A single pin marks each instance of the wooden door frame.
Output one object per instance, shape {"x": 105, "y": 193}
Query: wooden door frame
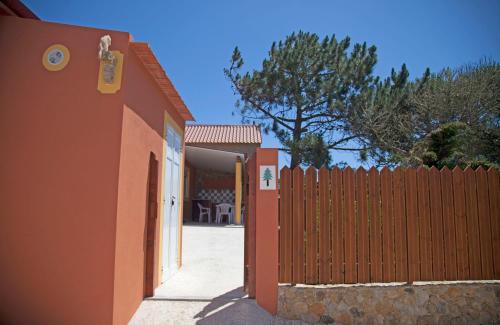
{"x": 249, "y": 241}
{"x": 151, "y": 223}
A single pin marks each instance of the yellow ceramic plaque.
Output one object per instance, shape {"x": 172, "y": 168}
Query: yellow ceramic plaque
{"x": 110, "y": 74}
{"x": 55, "y": 57}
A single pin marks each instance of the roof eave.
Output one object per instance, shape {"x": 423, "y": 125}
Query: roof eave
{"x": 150, "y": 62}
{"x": 228, "y": 134}
{"x": 17, "y": 8}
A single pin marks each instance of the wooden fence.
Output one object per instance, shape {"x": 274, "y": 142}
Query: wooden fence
{"x": 354, "y": 226}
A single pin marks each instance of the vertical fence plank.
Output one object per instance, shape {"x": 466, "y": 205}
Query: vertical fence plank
{"x": 349, "y": 226}
{"x": 280, "y": 243}
{"x": 362, "y": 222}
{"x": 311, "y": 227}
{"x": 450, "y": 252}
{"x": 298, "y": 225}
{"x": 494, "y": 195}
{"x": 483, "y": 208}
{"x": 412, "y": 225}
{"x": 472, "y": 224}
{"x": 375, "y": 226}
{"x": 400, "y": 248}
{"x": 324, "y": 226}
{"x": 281, "y": 236}
{"x": 436, "y": 224}
{"x": 388, "y": 267}
{"x": 424, "y": 224}
{"x": 460, "y": 224}
{"x": 286, "y": 225}
{"x": 337, "y": 227}
{"x": 289, "y": 228}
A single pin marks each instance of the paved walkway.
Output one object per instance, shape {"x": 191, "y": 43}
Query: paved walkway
{"x": 214, "y": 312}
{"x": 212, "y": 264}
{"x": 208, "y": 289}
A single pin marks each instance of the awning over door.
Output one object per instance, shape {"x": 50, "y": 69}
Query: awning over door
{"x": 217, "y": 160}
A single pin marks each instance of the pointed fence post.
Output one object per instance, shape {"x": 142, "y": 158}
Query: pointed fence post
{"x": 311, "y": 227}
{"x": 337, "y": 227}
{"x": 285, "y": 228}
{"x": 472, "y": 224}
{"x": 324, "y": 225}
{"x": 450, "y": 245}
{"x": 437, "y": 232}
{"x": 494, "y": 194}
{"x": 483, "y": 210}
{"x": 349, "y": 208}
{"x": 375, "y": 225}
{"x": 363, "y": 239}
{"x": 458, "y": 185}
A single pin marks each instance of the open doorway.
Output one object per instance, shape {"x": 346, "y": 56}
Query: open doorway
{"x": 212, "y": 237}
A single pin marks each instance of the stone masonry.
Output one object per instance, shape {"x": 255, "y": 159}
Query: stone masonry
{"x": 467, "y": 302}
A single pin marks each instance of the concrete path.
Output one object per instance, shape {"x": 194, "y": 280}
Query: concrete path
{"x": 212, "y": 264}
{"x": 214, "y": 312}
{"x": 208, "y": 289}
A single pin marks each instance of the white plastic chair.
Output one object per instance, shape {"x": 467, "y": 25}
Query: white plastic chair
{"x": 204, "y": 211}
{"x": 223, "y": 209}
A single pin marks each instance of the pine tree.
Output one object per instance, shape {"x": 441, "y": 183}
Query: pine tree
{"x": 267, "y": 176}
{"x": 450, "y": 118}
{"x": 306, "y": 86}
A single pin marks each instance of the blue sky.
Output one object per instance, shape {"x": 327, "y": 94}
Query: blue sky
{"x": 194, "y": 39}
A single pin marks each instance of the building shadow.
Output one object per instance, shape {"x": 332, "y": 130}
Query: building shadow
{"x": 219, "y": 301}
{"x": 233, "y": 307}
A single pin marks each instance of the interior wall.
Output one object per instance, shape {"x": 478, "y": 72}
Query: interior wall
{"x": 142, "y": 133}
{"x": 226, "y": 182}
{"x": 60, "y": 145}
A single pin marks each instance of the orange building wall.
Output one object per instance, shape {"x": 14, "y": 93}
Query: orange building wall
{"x": 60, "y": 145}
{"x": 73, "y": 175}
{"x": 266, "y": 235}
{"x": 142, "y": 133}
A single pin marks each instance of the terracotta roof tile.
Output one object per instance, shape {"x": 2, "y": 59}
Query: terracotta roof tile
{"x": 206, "y": 133}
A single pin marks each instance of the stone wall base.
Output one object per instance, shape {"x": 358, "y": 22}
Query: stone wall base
{"x": 466, "y": 302}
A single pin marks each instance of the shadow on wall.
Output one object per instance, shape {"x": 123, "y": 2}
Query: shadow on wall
{"x": 233, "y": 308}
